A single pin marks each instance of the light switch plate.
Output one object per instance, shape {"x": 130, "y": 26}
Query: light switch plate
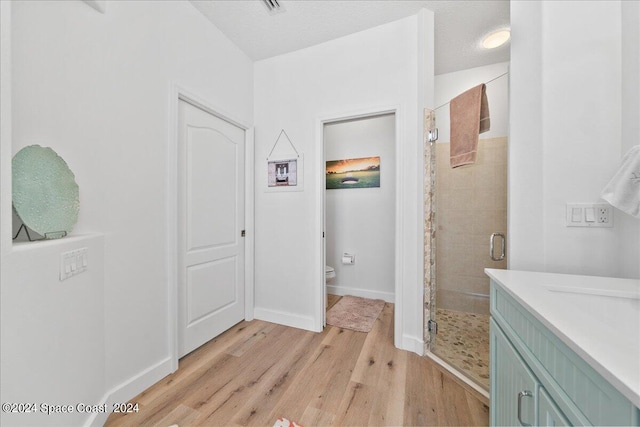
{"x": 73, "y": 263}
{"x": 599, "y": 215}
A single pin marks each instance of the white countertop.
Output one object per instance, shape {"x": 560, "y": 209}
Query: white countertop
{"x": 597, "y": 317}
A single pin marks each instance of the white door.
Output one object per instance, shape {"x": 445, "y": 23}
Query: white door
{"x": 211, "y": 219}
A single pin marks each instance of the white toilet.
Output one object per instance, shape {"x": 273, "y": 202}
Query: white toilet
{"x": 329, "y": 273}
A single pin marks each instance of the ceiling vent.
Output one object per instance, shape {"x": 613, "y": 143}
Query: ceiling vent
{"x": 273, "y": 6}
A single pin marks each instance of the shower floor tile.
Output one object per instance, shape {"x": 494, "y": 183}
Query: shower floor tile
{"x": 463, "y": 341}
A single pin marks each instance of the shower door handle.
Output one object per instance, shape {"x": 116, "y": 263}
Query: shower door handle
{"x": 492, "y": 245}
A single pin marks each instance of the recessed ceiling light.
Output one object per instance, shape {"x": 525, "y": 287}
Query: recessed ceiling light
{"x": 496, "y": 39}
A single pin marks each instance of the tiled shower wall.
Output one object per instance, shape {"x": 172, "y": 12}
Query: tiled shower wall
{"x": 471, "y": 205}
{"x": 429, "y": 229}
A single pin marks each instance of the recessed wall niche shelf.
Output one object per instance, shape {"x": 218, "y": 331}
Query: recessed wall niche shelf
{"x": 47, "y": 236}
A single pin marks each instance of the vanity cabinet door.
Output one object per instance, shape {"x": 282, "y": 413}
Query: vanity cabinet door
{"x": 548, "y": 412}
{"x": 513, "y": 386}
{"x": 572, "y": 392}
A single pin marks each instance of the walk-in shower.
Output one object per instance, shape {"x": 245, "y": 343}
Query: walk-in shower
{"x": 466, "y": 221}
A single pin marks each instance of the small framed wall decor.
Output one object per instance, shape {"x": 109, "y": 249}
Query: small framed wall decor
{"x": 283, "y": 173}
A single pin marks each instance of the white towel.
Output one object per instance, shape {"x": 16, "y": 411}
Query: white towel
{"x": 623, "y": 191}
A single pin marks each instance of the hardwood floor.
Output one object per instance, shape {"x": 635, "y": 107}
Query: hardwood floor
{"x": 257, "y": 372}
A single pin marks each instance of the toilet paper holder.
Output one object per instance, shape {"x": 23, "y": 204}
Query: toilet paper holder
{"x": 348, "y": 258}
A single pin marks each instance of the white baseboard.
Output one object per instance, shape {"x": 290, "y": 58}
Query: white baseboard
{"x": 286, "y": 319}
{"x": 362, "y": 293}
{"x": 130, "y": 388}
{"x": 413, "y": 344}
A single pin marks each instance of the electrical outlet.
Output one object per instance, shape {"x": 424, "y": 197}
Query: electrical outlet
{"x": 603, "y": 213}
{"x": 596, "y": 215}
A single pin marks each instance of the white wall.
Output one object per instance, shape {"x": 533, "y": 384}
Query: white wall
{"x": 565, "y": 136}
{"x": 450, "y": 85}
{"x": 628, "y": 226}
{"x": 5, "y": 131}
{"x": 378, "y": 67}
{"x": 96, "y": 87}
{"x": 53, "y": 332}
{"x": 361, "y": 221}
{"x": 525, "y": 244}
{"x": 630, "y": 74}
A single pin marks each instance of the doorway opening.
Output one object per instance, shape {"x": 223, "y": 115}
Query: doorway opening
{"x": 359, "y": 187}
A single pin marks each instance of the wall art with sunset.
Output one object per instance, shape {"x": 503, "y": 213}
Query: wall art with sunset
{"x": 353, "y": 173}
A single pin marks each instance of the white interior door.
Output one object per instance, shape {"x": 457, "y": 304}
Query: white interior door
{"x": 211, "y": 220}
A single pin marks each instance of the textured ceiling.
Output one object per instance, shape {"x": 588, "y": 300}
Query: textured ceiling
{"x": 459, "y": 25}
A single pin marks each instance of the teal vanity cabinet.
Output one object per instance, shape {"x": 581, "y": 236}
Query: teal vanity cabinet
{"x": 517, "y": 391}
{"x": 512, "y": 383}
{"x": 548, "y": 413}
{"x": 537, "y": 380}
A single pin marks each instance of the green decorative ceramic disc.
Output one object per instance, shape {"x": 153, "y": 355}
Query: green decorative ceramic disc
{"x": 45, "y": 192}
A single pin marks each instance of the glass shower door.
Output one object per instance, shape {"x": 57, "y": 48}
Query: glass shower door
{"x": 470, "y": 228}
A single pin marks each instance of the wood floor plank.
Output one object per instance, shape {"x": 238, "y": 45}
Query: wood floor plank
{"x": 454, "y": 403}
{"x": 189, "y": 364}
{"x": 257, "y": 410}
{"x": 241, "y": 347}
{"x": 208, "y": 382}
{"x": 367, "y": 370}
{"x": 257, "y": 372}
{"x": 421, "y": 402}
{"x": 389, "y": 406}
{"x": 171, "y": 396}
{"x": 478, "y": 410}
{"x": 204, "y": 385}
{"x": 356, "y": 405}
{"x": 482, "y": 398}
{"x": 381, "y": 366}
{"x": 181, "y": 414}
{"x": 323, "y": 381}
{"x": 244, "y": 379}
{"x": 316, "y": 417}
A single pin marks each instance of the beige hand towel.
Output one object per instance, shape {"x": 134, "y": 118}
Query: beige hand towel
{"x": 469, "y": 114}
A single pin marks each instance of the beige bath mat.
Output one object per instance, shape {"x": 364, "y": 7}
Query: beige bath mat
{"x": 355, "y": 313}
